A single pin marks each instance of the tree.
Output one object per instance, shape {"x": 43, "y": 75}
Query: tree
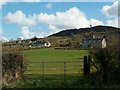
{"x": 108, "y": 59}
{"x": 34, "y": 39}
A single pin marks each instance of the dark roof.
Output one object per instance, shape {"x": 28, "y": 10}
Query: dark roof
{"x": 39, "y": 42}
{"x": 92, "y": 39}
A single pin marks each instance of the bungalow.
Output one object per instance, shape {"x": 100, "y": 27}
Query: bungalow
{"x": 40, "y": 44}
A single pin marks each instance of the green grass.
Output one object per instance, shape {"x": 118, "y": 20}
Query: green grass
{"x": 54, "y": 66}
{"x": 50, "y": 54}
{"x": 54, "y": 60}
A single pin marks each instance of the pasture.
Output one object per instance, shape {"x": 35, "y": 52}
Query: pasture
{"x": 51, "y": 54}
{"x": 53, "y": 58}
{"x": 49, "y": 67}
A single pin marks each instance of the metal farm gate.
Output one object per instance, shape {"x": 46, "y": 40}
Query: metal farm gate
{"x": 50, "y": 73}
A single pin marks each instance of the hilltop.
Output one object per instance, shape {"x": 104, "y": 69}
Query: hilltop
{"x": 98, "y": 29}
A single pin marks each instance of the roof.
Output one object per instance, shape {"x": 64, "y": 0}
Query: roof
{"x": 92, "y": 39}
{"x": 39, "y": 42}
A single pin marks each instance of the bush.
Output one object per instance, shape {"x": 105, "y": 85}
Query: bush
{"x": 12, "y": 66}
{"x": 108, "y": 59}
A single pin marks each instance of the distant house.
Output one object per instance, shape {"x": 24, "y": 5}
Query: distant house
{"x": 40, "y": 44}
{"x": 94, "y": 43}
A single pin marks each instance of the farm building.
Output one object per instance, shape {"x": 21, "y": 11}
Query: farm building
{"x": 94, "y": 43}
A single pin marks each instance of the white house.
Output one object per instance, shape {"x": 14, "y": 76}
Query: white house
{"x": 40, "y": 44}
{"x": 47, "y": 44}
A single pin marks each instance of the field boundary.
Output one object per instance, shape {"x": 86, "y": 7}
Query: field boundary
{"x": 61, "y": 73}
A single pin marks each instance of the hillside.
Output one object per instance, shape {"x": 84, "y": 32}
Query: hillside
{"x": 70, "y": 32}
{"x": 69, "y": 37}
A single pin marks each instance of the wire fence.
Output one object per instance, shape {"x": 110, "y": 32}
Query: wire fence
{"x": 55, "y": 71}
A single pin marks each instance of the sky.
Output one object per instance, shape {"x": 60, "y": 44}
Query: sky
{"x": 28, "y": 19}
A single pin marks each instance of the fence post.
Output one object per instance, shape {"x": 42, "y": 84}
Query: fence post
{"x": 85, "y": 65}
{"x": 89, "y": 59}
{"x": 65, "y": 74}
{"x": 43, "y": 71}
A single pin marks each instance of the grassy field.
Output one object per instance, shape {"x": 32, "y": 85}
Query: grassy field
{"x": 53, "y": 60}
{"x": 58, "y": 66}
{"x": 51, "y": 54}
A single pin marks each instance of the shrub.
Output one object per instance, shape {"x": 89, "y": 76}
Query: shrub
{"x": 12, "y": 65}
{"x": 108, "y": 58}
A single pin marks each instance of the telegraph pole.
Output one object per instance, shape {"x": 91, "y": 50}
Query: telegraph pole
{"x": 91, "y": 40}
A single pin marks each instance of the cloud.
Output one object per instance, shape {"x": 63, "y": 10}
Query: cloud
{"x": 54, "y": 28}
{"x": 4, "y": 39}
{"x": 112, "y": 22}
{"x": 72, "y": 18}
{"x": 20, "y": 18}
{"x": 48, "y": 6}
{"x": 26, "y": 34}
{"x": 95, "y": 22}
{"x": 110, "y": 11}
